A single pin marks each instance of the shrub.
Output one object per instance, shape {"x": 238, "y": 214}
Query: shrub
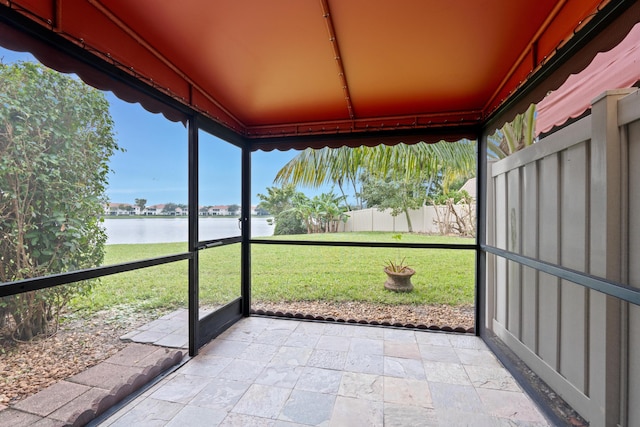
{"x": 289, "y": 223}
{"x": 56, "y": 137}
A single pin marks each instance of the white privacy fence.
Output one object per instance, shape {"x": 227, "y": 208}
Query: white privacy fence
{"x": 427, "y": 219}
{"x": 573, "y": 200}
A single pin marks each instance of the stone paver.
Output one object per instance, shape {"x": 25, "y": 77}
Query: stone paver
{"x": 79, "y": 405}
{"x": 308, "y": 408}
{"x": 407, "y": 391}
{"x": 328, "y": 359}
{"x": 51, "y": 398}
{"x": 407, "y": 415}
{"x": 106, "y": 375}
{"x": 362, "y": 386}
{"x": 136, "y": 355}
{"x": 15, "y": 418}
{"x": 262, "y": 401}
{"x": 288, "y": 373}
{"x": 180, "y": 389}
{"x": 349, "y": 411}
{"x": 220, "y": 394}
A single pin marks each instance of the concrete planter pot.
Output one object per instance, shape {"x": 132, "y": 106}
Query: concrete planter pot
{"x": 399, "y": 281}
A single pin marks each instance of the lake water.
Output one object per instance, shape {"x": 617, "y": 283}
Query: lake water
{"x": 168, "y": 230}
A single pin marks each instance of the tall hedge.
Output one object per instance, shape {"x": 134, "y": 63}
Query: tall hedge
{"x": 56, "y": 138}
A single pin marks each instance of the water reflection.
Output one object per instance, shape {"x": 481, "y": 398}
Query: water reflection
{"x": 168, "y": 230}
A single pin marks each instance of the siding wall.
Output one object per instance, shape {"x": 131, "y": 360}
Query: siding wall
{"x": 573, "y": 199}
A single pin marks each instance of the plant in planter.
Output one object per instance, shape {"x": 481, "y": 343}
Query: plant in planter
{"x": 398, "y": 274}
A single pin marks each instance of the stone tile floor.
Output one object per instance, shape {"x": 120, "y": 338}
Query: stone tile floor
{"x": 285, "y": 373}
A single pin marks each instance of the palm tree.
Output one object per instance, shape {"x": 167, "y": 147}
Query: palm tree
{"x": 342, "y": 166}
{"x": 513, "y": 136}
{"x": 316, "y": 167}
{"x": 329, "y": 210}
{"x": 302, "y": 206}
{"x": 448, "y": 161}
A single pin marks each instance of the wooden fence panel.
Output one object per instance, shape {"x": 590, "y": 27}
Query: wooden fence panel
{"x": 573, "y": 199}
{"x": 549, "y": 233}
{"x": 573, "y": 244}
{"x": 502, "y": 280}
{"x": 529, "y": 244}
{"x": 514, "y": 293}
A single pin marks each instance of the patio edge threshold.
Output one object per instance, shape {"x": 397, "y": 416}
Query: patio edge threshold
{"x": 303, "y": 316}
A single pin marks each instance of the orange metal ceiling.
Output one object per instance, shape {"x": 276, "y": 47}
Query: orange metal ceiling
{"x": 286, "y": 67}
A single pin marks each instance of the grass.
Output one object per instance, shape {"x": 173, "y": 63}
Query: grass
{"x": 290, "y": 273}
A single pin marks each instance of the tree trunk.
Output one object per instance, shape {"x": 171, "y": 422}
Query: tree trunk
{"x": 29, "y": 315}
{"x": 344, "y": 196}
{"x": 406, "y": 214}
{"x": 3, "y": 317}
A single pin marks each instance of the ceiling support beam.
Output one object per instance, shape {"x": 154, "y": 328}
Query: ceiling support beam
{"x": 336, "y": 52}
{"x": 530, "y": 50}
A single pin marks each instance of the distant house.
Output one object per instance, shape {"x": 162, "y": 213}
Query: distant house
{"x": 155, "y": 210}
{"x": 204, "y": 211}
{"x": 218, "y": 210}
{"x": 116, "y": 209}
{"x": 151, "y": 210}
{"x": 470, "y": 187}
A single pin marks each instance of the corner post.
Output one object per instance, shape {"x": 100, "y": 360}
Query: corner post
{"x": 481, "y": 232}
{"x": 606, "y": 200}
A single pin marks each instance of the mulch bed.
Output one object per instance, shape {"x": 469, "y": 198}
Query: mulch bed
{"x": 78, "y": 344}
{"x": 458, "y": 318}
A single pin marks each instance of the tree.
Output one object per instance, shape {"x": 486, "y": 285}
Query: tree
{"x": 141, "y": 204}
{"x": 288, "y": 223}
{"x": 233, "y": 209}
{"x": 279, "y": 202}
{"x": 398, "y": 195}
{"x": 410, "y": 166}
{"x": 455, "y": 213}
{"x": 328, "y": 211}
{"x": 344, "y": 165}
{"x": 56, "y": 137}
{"x": 302, "y": 209}
{"x": 277, "y": 199}
{"x": 315, "y": 167}
{"x": 169, "y": 208}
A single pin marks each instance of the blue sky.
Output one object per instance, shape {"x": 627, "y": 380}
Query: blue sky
{"x": 154, "y": 164}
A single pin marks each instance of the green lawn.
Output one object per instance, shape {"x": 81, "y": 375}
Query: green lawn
{"x": 290, "y": 273}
